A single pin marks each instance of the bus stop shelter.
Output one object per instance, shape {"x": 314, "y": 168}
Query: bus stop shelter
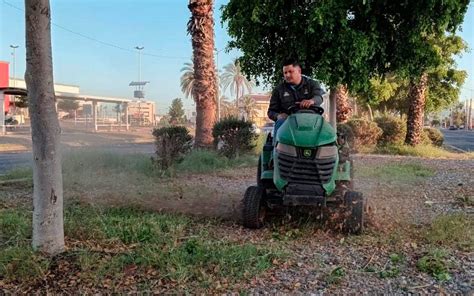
{"x": 16, "y": 91}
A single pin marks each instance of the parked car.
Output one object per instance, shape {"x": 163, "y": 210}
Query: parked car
{"x": 453, "y": 127}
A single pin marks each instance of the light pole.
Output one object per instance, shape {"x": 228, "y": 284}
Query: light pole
{"x": 139, "y": 48}
{"x": 14, "y": 47}
{"x": 218, "y": 85}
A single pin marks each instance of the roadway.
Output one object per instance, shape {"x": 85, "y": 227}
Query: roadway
{"x": 461, "y": 139}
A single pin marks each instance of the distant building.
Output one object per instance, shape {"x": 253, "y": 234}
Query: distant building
{"x": 262, "y": 102}
{"x": 142, "y": 112}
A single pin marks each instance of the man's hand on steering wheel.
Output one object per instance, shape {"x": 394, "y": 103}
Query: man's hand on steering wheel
{"x": 305, "y": 104}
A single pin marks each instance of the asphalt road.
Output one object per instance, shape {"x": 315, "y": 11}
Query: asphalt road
{"x": 9, "y": 161}
{"x": 462, "y": 139}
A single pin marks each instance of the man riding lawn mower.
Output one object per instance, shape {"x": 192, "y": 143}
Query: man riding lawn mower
{"x": 306, "y": 163}
{"x": 305, "y": 167}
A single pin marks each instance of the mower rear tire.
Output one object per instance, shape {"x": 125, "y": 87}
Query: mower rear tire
{"x": 354, "y": 210}
{"x": 254, "y": 210}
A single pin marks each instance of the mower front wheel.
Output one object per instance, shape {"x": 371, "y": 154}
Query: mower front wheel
{"x": 354, "y": 212}
{"x": 255, "y": 209}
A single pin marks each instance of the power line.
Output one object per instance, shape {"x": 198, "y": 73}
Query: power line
{"x": 100, "y": 41}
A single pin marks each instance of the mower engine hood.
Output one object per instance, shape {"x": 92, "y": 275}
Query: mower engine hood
{"x": 306, "y": 130}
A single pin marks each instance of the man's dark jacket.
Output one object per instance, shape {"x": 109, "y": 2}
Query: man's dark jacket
{"x": 285, "y": 95}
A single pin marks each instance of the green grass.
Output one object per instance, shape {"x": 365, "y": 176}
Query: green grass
{"x": 20, "y": 263}
{"x": 18, "y": 173}
{"x": 408, "y": 172}
{"x": 105, "y": 162}
{"x": 15, "y": 226}
{"x": 427, "y": 151}
{"x": 205, "y": 161}
{"x": 336, "y": 275}
{"x": 455, "y": 230}
{"x": 177, "y": 248}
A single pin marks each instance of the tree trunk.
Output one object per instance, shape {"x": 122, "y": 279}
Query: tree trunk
{"x": 201, "y": 28}
{"x": 416, "y": 97}
{"x": 48, "y": 232}
{"x": 343, "y": 109}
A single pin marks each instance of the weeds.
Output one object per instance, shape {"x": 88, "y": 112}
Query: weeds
{"x": 455, "y": 230}
{"x": 392, "y": 268}
{"x": 436, "y": 264}
{"x": 113, "y": 243}
{"x": 336, "y": 275}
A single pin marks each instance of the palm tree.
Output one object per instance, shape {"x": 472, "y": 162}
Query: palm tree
{"x": 343, "y": 108}
{"x": 228, "y": 108}
{"x": 204, "y": 89}
{"x": 187, "y": 79}
{"x": 234, "y": 78}
{"x": 417, "y": 100}
{"x": 248, "y": 106}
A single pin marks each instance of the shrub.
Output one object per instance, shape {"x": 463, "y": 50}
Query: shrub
{"x": 364, "y": 133}
{"x": 435, "y": 136}
{"x": 233, "y": 136}
{"x": 172, "y": 143}
{"x": 393, "y": 130}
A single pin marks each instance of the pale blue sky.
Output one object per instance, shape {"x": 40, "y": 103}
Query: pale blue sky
{"x": 158, "y": 25}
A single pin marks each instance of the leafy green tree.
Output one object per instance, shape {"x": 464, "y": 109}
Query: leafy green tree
{"x": 176, "y": 111}
{"x": 68, "y": 105}
{"x": 390, "y": 93}
{"x": 411, "y": 33}
{"x": 345, "y": 42}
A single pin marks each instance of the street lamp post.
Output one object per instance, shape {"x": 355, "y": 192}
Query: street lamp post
{"x": 139, "y": 48}
{"x": 14, "y": 47}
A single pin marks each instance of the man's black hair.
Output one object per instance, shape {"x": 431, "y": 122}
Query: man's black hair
{"x": 291, "y": 61}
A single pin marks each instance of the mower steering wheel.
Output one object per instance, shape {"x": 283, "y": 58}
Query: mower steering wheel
{"x": 295, "y": 108}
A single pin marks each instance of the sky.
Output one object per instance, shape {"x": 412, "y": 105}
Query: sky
{"x": 93, "y": 45}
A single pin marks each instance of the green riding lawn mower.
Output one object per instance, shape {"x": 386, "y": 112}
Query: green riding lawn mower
{"x": 308, "y": 165}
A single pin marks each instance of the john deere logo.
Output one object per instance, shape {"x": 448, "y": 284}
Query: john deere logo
{"x": 307, "y": 153}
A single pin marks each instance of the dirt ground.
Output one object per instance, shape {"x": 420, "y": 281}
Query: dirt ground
{"x": 323, "y": 261}
{"x": 401, "y": 212}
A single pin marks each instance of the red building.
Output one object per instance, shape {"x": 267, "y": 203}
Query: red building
{"x": 4, "y": 82}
